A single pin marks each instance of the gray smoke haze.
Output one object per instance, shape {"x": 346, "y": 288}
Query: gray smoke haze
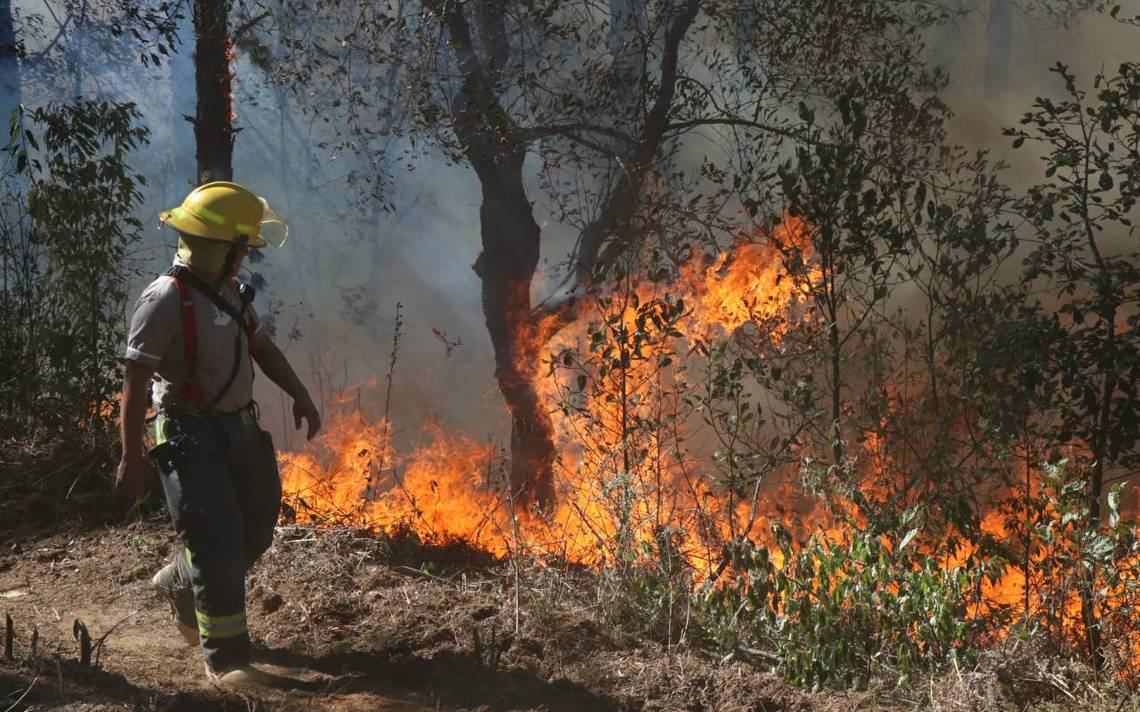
{"x": 986, "y": 99}
{"x": 332, "y": 290}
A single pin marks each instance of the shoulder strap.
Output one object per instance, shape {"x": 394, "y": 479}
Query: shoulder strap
{"x": 181, "y": 273}
{"x": 191, "y": 389}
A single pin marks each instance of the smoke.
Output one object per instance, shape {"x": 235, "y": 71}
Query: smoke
{"x": 983, "y": 103}
{"x": 331, "y": 292}
{"x": 338, "y": 280}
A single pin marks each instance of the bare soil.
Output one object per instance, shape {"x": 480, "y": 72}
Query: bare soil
{"x": 346, "y": 620}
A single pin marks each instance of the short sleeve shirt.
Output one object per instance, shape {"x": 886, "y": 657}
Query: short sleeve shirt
{"x": 156, "y": 339}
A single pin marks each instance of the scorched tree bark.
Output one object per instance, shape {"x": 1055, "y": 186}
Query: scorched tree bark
{"x": 213, "y": 123}
{"x": 510, "y": 249}
{"x": 496, "y": 147}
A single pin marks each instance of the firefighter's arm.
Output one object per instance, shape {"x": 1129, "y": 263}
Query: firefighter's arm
{"x": 276, "y": 367}
{"x": 130, "y": 478}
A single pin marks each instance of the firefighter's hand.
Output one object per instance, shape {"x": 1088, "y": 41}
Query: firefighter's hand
{"x": 130, "y": 479}
{"x": 304, "y": 408}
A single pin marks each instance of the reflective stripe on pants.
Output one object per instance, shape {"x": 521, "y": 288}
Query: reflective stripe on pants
{"x": 219, "y": 474}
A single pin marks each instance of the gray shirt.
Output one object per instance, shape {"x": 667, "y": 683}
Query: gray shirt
{"x": 155, "y": 339}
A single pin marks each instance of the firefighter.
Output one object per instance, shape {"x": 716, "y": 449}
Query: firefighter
{"x": 193, "y": 337}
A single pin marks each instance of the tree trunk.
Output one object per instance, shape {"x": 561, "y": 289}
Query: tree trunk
{"x": 78, "y": 63}
{"x": 213, "y": 123}
{"x": 506, "y": 267}
{"x": 510, "y": 241}
{"x": 510, "y": 236}
{"x": 15, "y": 315}
{"x": 946, "y": 39}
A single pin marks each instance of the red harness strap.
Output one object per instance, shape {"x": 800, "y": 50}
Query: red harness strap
{"x": 191, "y": 389}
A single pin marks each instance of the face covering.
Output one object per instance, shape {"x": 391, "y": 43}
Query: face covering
{"x": 208, "y": 256}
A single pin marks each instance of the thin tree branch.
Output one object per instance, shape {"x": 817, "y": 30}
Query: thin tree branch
{"x": 248, "y": 25}
{"x": 537, "y": 132}
{"x": 623, "y": 199}
{"x": 682, "y": 126}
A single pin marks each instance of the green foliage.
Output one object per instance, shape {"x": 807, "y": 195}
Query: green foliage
{"x": 64, "y": 232}
{"x": 836, "y": 612}
{"x": 1068, "y": 355}
{"x": 625, "y": 415}
{"x": 1079, "y": 575}
{"x": 649, "y": 595}
{"x": 1084, "y": 260}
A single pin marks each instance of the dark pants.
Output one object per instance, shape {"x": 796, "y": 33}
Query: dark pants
{"x": 219, "y": 473}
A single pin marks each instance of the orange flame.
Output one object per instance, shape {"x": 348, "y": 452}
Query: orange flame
{"x": 613, "y": 492}
{"x": 626, "y": 482}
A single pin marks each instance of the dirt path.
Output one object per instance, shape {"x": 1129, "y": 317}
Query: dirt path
{"x": 358, "y": 623}
{"x": 102, "y": 579}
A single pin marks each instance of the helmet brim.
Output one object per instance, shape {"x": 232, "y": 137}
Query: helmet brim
{"x": 188, "y": 224}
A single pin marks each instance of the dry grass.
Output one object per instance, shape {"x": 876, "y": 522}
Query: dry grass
{"x": 387, "y": 617}
{"x": 1021, "y": 674}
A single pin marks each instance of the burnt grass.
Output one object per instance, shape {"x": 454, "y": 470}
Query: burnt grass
{"x": 346, "y": 620}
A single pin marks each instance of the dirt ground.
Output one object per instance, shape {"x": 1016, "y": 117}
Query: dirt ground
{"x": 347, "y": 621}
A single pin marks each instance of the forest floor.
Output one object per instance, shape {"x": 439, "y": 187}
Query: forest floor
{"x": 347, "y": 621}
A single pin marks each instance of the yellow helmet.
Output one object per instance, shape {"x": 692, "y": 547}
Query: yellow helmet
{"x": 226, "y": 212}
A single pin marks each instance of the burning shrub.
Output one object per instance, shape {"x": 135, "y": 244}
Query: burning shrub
{"x": 1080, "y": 576}
{"x": 847, "y": 608}
{"x": 686, "y": 396}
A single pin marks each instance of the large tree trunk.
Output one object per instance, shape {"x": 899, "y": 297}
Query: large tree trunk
{"x": 16, "y": 315}
{"x": 510, "y": 238}
{"x": 946, "y": 39}
{"x": 78, "y": 63}
{"x": 496, "y": 147}
{"x": 506, "y": 267}
{"x": 213, "y": 122}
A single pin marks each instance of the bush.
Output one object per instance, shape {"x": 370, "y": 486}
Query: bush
{"x": 846, "y": 609}
{"x": 65, "y": 229}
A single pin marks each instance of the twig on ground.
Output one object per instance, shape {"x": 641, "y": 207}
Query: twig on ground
{"x": 757, "y": 653}
{"x": 94, "y": 461}
{"x": 98, "y": 646}
{"x": 425, "y": 574}
{"x": 300, "y": 541}
{"x": 57, "y": 470}
{"x": 77, "y": 460}
{"x": 16, "y": 704}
